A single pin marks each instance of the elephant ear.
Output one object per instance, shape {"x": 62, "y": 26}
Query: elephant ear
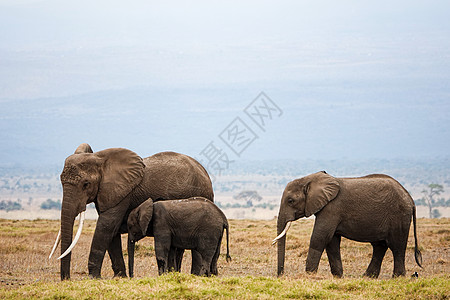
{"x": 122, "y": 170}
{"x": 84, "y": 148}
{"x": 322, "y": 189}
{"x": 145, "y": 215}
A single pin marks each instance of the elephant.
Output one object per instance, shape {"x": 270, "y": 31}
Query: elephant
{"x": 374, "y": 208}
{"x": 195, "y": 223}
{"x": 117, "y": 180}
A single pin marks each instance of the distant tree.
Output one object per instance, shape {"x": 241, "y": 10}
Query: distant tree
{"x": 432, "y": 190}
{"x": 420, "y": 202}
{"x": 248, "y": 197}
{"x": 10, "y": 205}
{"x": 442, "y": 202}
{"x": 436, "y": 214}
{"x": 51, "y": 204}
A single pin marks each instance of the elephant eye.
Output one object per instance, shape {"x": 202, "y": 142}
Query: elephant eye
{"x": 290, "y": 201}
{"x": 86, "y": 185}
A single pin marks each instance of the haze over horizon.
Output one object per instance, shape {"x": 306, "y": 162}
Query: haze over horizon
{"x": 353, "y": 80}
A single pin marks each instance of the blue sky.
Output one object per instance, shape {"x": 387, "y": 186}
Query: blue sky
{"x": 354, "y": 79}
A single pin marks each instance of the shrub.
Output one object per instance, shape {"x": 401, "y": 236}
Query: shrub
{"x": 10, "y": 205}
{"x": 51, "y": 204}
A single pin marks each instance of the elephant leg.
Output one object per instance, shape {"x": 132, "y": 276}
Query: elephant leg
{"x": 214, "y": 270}
{"x": 398, "y": 243}
{"x": 116, "y": 256}
{"x": 399, "y": 263}
{"x": 179, "y": 252}
{"x": 171, "y": 261}
{"x": 205, "y": 264}
{"x": 197, "y": 262}
{"x": 207, "y": 260}
{"x": 207, "y": 253}
{"x": 379, "y": 250}
{"x": 107, "y": 228}
{"x": 322, "y": 235}
{"x": 334, "y": 256}
{"x": 175, "y": 259}
{"x": 313, "y": 259}
{"x": 162, "y": 250}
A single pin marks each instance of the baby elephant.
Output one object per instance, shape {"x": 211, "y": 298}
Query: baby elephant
{"x": 194, "y": 223}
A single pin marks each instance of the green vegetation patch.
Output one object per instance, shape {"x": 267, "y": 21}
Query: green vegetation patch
{"x": 185, "y": 286}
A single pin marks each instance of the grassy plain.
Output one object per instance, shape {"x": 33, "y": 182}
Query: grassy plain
{"x": 26, "y": 272}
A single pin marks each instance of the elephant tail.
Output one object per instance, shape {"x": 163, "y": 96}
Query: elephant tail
{"x": 417, "y": 253}
{"x": 226, "y": 226}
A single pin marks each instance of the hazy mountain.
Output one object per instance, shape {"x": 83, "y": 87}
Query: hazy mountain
{"x": 43, "y": 131}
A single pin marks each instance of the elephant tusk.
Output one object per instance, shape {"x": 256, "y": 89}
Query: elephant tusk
{"x": 77, "y": 236}
{"x": 58, "y": 239}
{"x": 275, "y": 240}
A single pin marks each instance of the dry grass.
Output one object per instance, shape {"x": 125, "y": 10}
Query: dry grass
{"x": 25, "y": 246}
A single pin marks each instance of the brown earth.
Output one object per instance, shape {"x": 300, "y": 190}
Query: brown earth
{"x": 25, "y": 246}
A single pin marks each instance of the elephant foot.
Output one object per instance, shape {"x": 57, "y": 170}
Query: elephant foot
{"x": 311, "y": 272}
{"x": 337, "y": 274}
{"x": 214, "y": 270}
{"x": 120, "y": 274}
{"x": 312, "y": 261}
{"x": 371, "y": 274}
{"x": 92, "y": 276}
{"x": 196, "y": 271}
{"x": 398, "y": 274}
{"x": 162, "y": 266}
{"x": 95, "y": 274}
{"x": 95, "y": 262}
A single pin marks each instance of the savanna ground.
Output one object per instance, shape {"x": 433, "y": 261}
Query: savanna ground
{"x": 26, "y": 272}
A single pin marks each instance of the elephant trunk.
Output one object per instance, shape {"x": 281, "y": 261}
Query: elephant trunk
{"x": 68, "y": 215}
{"x": 131, "y": 245}
{"x": 281, "y": 245}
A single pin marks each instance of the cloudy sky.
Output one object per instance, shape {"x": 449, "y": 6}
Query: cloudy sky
{"x": 352, "y": 79}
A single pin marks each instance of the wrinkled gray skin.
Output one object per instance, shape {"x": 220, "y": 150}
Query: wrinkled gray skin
{"x": 195, "y": 223}
{"x": 117, "y": 180}
{"x": 374, "y": 208}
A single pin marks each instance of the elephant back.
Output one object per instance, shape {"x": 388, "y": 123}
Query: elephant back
{"x": 171, "y": 175}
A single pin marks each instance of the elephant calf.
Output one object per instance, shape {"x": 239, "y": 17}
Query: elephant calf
{"x": 374, "y": 208}
{"x": 195, "y": 223}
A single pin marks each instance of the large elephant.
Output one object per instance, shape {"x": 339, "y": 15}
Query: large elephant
{"x": 375, "y": 208}
{"x": 194, "y": 223}
{"x": 117, "y": 180}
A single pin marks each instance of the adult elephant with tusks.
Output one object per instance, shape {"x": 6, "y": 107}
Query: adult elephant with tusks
{"x": 374, "y": 208}
{"x": 117, "y": 180}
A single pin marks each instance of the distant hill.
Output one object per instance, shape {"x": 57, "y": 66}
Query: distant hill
{"x": 45, "y": 131}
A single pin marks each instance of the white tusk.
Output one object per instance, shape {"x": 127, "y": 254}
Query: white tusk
{"x": 58, "y": 239}
{"x": 77, "y": 236}
{"x": 275, "y": 240}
